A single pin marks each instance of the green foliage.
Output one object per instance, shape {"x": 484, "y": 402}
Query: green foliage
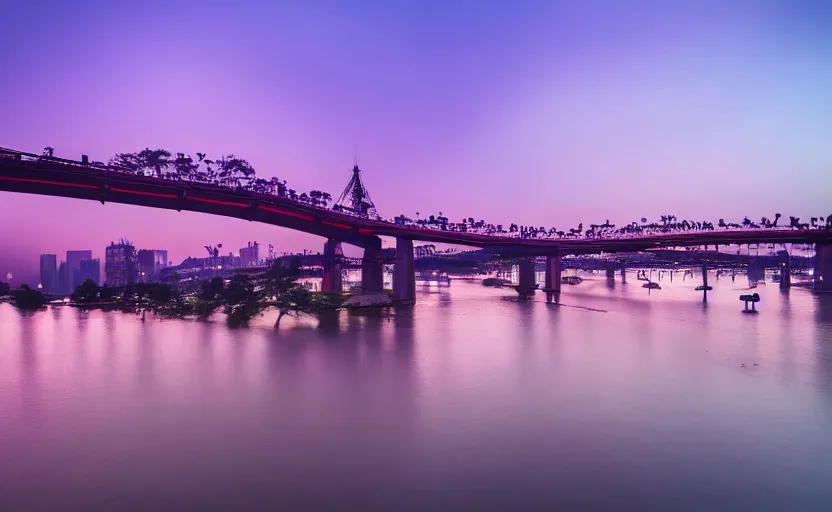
{"x": 210, "y": 290}
{"x": 28, "y": 299}
{"x": 87, "y": 292}
{"x": 242, "y": 301}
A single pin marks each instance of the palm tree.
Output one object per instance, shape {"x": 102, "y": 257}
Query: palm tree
{"x": 127, "y": 162}
{"x": 184, "y": 167}
{"x": 776, "y": 218}
{"x": 155, "y": 159}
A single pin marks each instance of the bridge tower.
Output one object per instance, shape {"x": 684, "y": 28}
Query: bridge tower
{"x": 355, "y": 198}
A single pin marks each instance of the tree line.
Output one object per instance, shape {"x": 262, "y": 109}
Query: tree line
{"x": 238, "y": 174}
{"x": 241, "y": 298}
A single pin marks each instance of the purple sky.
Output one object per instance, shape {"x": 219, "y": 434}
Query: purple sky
{"x": 533, "y": 112}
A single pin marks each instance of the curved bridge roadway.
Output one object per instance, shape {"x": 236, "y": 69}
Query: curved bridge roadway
{"x": 67, "y": 178}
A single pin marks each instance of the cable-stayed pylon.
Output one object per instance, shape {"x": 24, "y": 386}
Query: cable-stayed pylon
{"x": 355, "y": 198}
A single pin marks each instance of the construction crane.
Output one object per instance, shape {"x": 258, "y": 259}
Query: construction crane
{"x": 213, "y": 251}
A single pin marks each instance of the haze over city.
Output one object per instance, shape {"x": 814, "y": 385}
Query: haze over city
{"x": 548, "y": 113}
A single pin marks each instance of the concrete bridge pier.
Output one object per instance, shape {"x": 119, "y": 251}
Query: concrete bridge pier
{"x": 785, "y": 273}
{"x": 552, "y": 279}
{"x": 372, "y": 271}
{"x": 525, "y": 278}
{"x": 404, "y": 273}
{"x": 611, "y": 273}
{"x": 823, "y": 268}
{"x": 333, "y": 253}
{"x": 704, "y": 283}
{"x": 623, "y": 273}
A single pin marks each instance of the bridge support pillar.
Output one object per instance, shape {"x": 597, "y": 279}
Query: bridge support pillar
{"x": 623, "y": 273}
{"x": 372, "y": 271}
{"x": 525, "y": 278}
{"x": 704, "y": 283}
{"x": 552, "y": 280}
{"x": 610, "y": 273}
{"x": 785, "y": 272}
{"x": 823, "y": 268}
{"x": 404, "y": 274}
{"x": 331, "y": 281}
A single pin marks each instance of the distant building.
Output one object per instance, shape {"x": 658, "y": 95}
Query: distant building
{"x": 424, "y": 251}
{"x": 49, "y": 273}
{"x": 250, "y": 256}
{"x": 63, "y": 280}
{"x": 73, "y": 268}
{"x": 120, "y": 264}
{"x": 151, "y": 262}
{"x": 91, "y": 269}
{"x": 5, "y": 289}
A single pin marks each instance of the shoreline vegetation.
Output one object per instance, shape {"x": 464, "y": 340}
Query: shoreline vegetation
{"x": 241, "y": 297}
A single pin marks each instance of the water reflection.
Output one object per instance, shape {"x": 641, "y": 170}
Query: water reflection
{"x": 472, "y": 399}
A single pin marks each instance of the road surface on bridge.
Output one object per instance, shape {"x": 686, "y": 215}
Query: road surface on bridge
{"x": 64, "y": 178}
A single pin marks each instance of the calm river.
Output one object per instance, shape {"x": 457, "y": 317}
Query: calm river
{"x": 617, "y": 399}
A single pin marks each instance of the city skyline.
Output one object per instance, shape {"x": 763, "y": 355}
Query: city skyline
{"x": 689, "y": 104}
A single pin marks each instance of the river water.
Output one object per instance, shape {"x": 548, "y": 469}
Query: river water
{"x": 618, "y": 399}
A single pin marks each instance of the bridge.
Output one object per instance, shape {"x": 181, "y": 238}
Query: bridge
{"x": 45, "y": 175}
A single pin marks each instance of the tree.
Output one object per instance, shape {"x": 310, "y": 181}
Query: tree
{"x": 295, "y": 300}
{"x": 185, "y": 168}
{"x": 28, "y": 299}
{"x": 86, "y": 292}
{"x": 241, "y": 301}
{"x": 234, "y": 172}
{"x": 129, "y": 162}
{"x": 157, "y": 160}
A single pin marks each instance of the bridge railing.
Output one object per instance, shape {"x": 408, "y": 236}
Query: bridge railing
{"x": 597, "y": 232}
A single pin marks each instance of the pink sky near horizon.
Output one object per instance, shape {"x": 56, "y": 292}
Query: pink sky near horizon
{"x": 541, "y": 113}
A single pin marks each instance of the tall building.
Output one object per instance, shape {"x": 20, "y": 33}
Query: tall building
{"x": 49, "y": 273}
{"x": 151, "y": 262}
{"x": 250, "y": 256}
{"x": 63, "y": 280}
{"x": 73, "y": 268}
{"x": 91, "y": 269}
{"x": 120, "y": 263}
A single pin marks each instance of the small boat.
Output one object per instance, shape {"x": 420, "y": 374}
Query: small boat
{"x": 573, "y": 280}
{"x": 496, "y": 282}
{"x": 702, "y": 288}
{"x": 651, "y": 286}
